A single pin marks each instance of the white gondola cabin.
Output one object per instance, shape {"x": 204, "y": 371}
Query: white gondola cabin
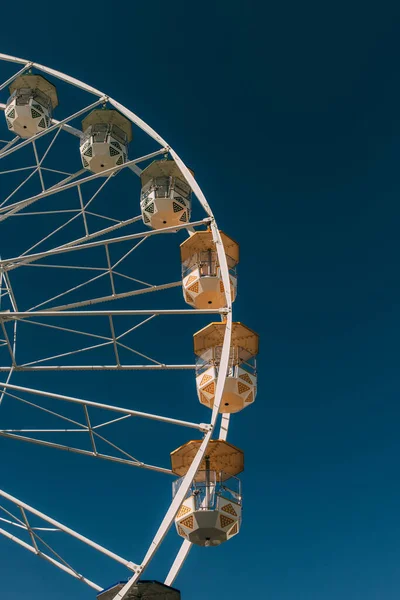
{"x": 201, "y": 274}
{"x": 241, "y": 382}
{"x": 166, "y": 197}
{"x": 30, "y": 106}
{"x": 212, "y": 510}
{"x": 104, "y": 144}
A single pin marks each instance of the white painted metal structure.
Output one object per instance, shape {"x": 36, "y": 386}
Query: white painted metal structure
{"x": 47, "y": 253}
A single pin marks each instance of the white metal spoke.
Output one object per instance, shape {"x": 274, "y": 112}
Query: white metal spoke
{"x": 46, "y": 212}
{"x": 11, "y": 522}
{"x": 62, "y": 76}
{"x": 9, "y": 144}
{"x": 10, "y": 348}
{"x": 77, "y": 331}
{"x": 71, "y": 353}
{"x": 46, "y": 410}
{"x": 112, "y": 408}
{"x": 36, "y": 170}
{"x": 128, "y": 564}
{"x": 29, "y": 528}
{"x": 90, "y": 428}
{"x": 68, "y": 179}
{"x": 73, "y": 289}
{"x": 3, "y": 392}
{"x": 22, "y": 526}
{"x": 156, "y": 362}
{"x": 149, "y": 285}
{"x": 116, "y": 459}
{"x": 52, "y": 430}
{"x": 34, "y": 536}
{"x": 11, "y": 79}
{"x": 101, "y": 232}
{"x": 223, "y": 432}
{"x": 112, "y": 421}
{"x": 21, "y": 185}
{"x": 83, "y": 210}
{"x": 82, "y": 429}
{"x": 135, "y": 327}
{"x": 116, "y": 447}
{"x": 33, "y": 167}
{"x": 13, "y": 208}
{"x": 114, "y": 340}
{"x": 88, "y": 212}
{"x": 139, "y": 122}
{"x": 178, "y": 562}
{"x": 76, "y": 268}
{"x": 88, "y": 203}
{"x": 8, "y": 264}
{"x": 102, "y": 367}
{"x": 18, "y": 521}
{"x": 110, "y": 271}
{"x": 49, "y": 559}
{"x": 56, "y": 171}
{"x": 101, "y": 313}
{"x": 124, "y": 256}
{"x": 135, "y": 169}
{"x": 7, "y": 283}
{"x": 16, "y": 170}
{"x": 39, "y": 170}
{"x": 41, "y": 540}
{"x": 54, "y": 232}
{"x": 68, "y": 128}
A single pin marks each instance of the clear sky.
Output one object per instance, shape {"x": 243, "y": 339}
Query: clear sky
{"x": 289, "y": 115}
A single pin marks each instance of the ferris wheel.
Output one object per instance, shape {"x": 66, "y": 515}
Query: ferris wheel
{"x": 96, "y": 214}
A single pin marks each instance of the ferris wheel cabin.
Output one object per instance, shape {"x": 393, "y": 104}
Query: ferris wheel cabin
{"x": 241, "y": 382}
{"x": 165, "y": 197}
{"x": 201, "y": 274}
{"x": 104, "y": 144}
{"x": 142, "y": 590}
{"x": 212, "y": 510}
{"x": 30, "y": 105}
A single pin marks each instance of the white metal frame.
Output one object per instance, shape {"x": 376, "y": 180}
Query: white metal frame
{"x": 47, "y": 315}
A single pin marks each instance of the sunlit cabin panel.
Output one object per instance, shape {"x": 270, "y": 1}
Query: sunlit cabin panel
{"x": 104, "y": 144}
{"x": 165, "y": 197}
{"x": 201, "y": 273}
{"x": 30, "y": 106}
{"x": 240, "y": 387}
{"x": 212, "y": 510}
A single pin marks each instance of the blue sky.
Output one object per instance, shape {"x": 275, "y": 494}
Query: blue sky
{"x": 289, "y": 116}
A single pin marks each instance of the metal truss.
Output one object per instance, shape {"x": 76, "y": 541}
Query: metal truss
{"x": 37, "y": 543}
{"x": 73, "y": 202}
